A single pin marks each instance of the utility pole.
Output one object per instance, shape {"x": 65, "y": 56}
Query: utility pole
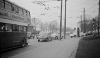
{"x": 61, "y": 19}
{"x": 84, "y": 19}
{"x": 65, "y": 21}
{"x": 98, "y": 17}
{"x": 81, "y": 21}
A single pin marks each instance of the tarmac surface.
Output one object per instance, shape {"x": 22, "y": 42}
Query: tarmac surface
{"x": 65, "y": 48}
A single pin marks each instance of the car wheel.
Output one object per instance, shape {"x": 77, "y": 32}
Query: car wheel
{"x": 38, "y": 40}
{"x": 24, "y": 43}
{"x": 71, "y": 36}
{"x": 56, "y": 37}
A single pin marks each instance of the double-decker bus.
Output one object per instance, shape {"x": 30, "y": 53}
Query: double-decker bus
{"x": 14, "y": 25}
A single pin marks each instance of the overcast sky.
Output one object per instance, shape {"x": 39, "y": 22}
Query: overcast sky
{"x": 48, "y": 10}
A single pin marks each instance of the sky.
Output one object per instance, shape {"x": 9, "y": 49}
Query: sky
{"x": 49, "y": 10}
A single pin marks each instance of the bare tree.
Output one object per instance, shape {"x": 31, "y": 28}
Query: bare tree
{"x": 90, "y": 25}
{"x": 53, "y": 26}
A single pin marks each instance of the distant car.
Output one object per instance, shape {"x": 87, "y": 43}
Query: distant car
{"x": 88, "y": 33}
{"x": 43, "y": 37}
{"x": 73, "y": 35}
{"x": 91, "y": 36}
{"x": 82, "y": 34}
{"x": 58, "y": 35}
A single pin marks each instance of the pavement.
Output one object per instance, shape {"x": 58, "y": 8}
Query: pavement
{"x": 65, "y": 48}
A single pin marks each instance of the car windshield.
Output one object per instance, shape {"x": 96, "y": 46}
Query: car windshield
{"x": 53, "y": 34}
{"x": 43, "y": 34}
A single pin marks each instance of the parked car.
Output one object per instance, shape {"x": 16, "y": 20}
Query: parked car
{"x": 91, "y": 36}
{"x": 73, "y": 35}
{"x": 88, "y": 33}
{"x": 58, "y": 35}
{"x": 44, "y": 37}
{"x": 54, "y": 36}
{"x": 82, "y": 34}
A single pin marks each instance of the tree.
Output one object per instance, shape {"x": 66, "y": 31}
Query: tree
{"x": 53, "y": 26}
{"x": 85, "y": 25}
{"x": 36, "y": 23}
{"x": 88, "y": 25}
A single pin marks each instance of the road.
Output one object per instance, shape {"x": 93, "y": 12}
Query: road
{"x": 65, "y": 48}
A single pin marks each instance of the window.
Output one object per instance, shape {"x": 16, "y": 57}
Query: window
{"x": 1, "y": 4}
{"x": 15, "y": 28}
{"x": 12, "y": 7}
{"x": 16, "y": 9}
{"x": 24, "y": 29}
{"x": 28, "y": 13}
{"x": 8, "y": 27}
{"x": 8, "y": 5}
{"x": 20, "y": 11}
{"x": 24, "y": 11}
{"x": 20, "y": 28}
{"x": 4, "y": 27}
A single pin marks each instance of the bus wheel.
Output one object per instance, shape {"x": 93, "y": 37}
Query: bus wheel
{"x": 24, "y": 44}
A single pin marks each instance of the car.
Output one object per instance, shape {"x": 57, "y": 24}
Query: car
{"x": 73, "y": 35}
{"x": 91, "y": 36}
{"x": 54, "y": 36}
{"x": 58, "y": 35}
{"x": 82, "y": 34}
{"x": 44, "y": 37}
{"x": 89, "y": 33}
